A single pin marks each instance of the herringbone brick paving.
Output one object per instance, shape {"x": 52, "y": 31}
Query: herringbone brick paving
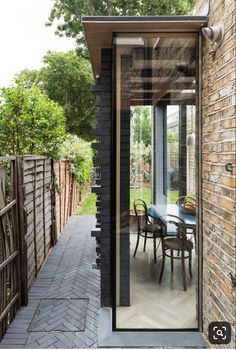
{"x": 65, "y": 298}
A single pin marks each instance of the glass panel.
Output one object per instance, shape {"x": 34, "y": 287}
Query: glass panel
{"x": 171, "y": 157}
{"x": 140, "y": 154}
{"x": 156, "y": 82}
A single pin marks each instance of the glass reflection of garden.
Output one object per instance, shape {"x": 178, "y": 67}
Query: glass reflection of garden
{"x": 141, "y": 156}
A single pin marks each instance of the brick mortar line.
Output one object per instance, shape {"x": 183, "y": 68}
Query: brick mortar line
{"x": 222, "y": 219}
{"x": 215, "y": 255}
{"x": 224, "y": 54}
{"x": 206, "y": 67}
{"x": 215, "y": 112}
{"x": 221, "y": 186}
{"x": 217, "y": 288}
{"x": 212, "y": 290}
{"x": 220, "y": 142}
{"x": 221, "y": 196}
{"x": 210, "y": 76}
{"x": 219, "y": 121}
{"x": 226, "y": 276}
{"x": 220, "y": 99}
{"x": 210, "y": 162}
{"x": 220, "y": 246}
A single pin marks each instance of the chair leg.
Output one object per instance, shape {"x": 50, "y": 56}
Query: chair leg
{"x": 145, "y": 241}
{"x": 195, "y": 239}
{"x": 162, "y": 265}
{"x": 136, "y": 247}
{"x": 190, "y": 263}
{"x": 183, "y": 271}
{"x": 154, "y": 247}
{"x": 172, "y": 260}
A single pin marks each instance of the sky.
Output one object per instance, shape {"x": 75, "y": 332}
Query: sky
{"x": 24, "y": 38}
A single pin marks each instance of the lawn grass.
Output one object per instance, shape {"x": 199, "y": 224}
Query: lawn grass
{"x": 87, "y": 206}
{"x": 172, "y": 196}
{"x": 140, "y": 193}
{"x": 146, "y": 195}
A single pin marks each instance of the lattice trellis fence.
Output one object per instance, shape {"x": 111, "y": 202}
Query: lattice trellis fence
{"x": 9, "y": 245}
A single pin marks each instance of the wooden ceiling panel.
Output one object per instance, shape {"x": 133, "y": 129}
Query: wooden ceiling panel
{"x": 99, "y": 30}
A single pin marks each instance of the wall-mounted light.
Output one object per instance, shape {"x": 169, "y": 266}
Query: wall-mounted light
{"x": 215, "y": 35}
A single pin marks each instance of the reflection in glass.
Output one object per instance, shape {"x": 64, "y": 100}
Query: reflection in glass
{"x": 156, "y": 84}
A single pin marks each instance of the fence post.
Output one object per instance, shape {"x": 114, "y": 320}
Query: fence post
{"x": 34, "y": 211}
{"x": 60, "y": 195}
{"x": 22, "y": 220}
{"x": 53, "y": 205}
{"x": 44, "y": 219}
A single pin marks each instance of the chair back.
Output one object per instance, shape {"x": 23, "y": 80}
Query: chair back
{"x": 181, "y": 229}
{"x": 140, "y": 209}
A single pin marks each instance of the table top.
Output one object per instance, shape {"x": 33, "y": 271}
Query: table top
{"x": 174, "y": 209}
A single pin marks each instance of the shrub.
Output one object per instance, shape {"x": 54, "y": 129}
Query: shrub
{"x": 80, "y": 154}
{"x": 30, "y": 123}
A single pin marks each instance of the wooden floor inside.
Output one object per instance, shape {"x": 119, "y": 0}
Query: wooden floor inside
{"x": 154, "y": 305}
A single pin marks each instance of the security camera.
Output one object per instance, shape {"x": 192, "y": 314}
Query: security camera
{"x": 214, "y": 34}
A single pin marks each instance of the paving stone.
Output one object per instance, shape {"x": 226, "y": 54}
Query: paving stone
{"x": 16, "y": 341}
{"x": 63, "y": 303}
{"x": 11, "y": 346}
{"x": 51, "y": 314}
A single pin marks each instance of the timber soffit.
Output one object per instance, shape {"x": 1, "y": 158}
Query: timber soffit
{"x": 99, "y": 30}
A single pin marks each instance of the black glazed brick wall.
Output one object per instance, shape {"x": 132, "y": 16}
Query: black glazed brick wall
{"x": 106, "y": 114}
{"x": 103, "y": 89}
{"x": 124, "y": 206}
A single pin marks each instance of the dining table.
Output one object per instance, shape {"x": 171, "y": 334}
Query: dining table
{"x": 160, "y": 211}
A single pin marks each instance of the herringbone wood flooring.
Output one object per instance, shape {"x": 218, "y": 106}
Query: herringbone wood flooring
{"x": 155, "y": 305}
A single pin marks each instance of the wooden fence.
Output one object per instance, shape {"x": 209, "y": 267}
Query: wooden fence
{"x": 37, "y": 203}
{"x": 66, "y": 194}
{"x": 9, "y": 245}
{"x": 37, "y": 196}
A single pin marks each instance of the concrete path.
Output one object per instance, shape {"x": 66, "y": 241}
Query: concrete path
{"x": 64, "y": 300}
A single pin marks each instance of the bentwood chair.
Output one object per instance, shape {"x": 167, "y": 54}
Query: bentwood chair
{"x": 189, "y": 200}
{"x": 179, "y": 244}
{"x": 146, "y": 228}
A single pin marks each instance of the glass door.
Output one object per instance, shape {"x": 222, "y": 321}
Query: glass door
{"x": 156, "y": 99}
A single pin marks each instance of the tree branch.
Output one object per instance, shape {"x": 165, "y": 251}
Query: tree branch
{"x": 125, "y": 8}
{"x": 110, "y": 7}
{"x": 91, "y": 7}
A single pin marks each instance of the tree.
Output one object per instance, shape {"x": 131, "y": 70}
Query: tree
{"x": 69, "y": 12}
{"x": 67, "y": 79}
{"x": 141, "y": 128}
{"x": 30, "y": 123}
{"x": 27, "y": 78}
